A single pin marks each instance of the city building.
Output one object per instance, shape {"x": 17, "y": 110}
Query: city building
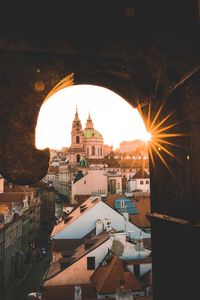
{"x": 137, "y": 206}
{"x": 94, "y": 182}
{"x": 129, "y": 146}
{"x": 140, "y": 181}
{"x": 21, "y": 211}
{"x": 52, "y": 175}
{"x": 97, "y": 266}
{"x": 85, "y": 218}
{"x": 85, "y": 143}
{"x": 64, "y": 179}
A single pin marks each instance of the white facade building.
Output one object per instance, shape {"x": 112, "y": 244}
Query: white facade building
{"x": 93, "y": 182}
{"x": 140, "y": 181}
{"x": 84, "y": 219}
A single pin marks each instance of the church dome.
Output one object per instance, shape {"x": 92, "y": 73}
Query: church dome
{"x": 90, "y": 133}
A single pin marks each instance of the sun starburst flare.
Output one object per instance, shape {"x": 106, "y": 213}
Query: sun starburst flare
{"x": 158, "y": 134}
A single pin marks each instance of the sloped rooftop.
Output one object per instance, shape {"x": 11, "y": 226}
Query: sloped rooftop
{"x": 78, "y": 253}
{"x": 106, "y": 278}
{"x": 88, "y": 204}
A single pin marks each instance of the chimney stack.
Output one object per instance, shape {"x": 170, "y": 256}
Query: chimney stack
{"x": 99, "y": 226}
{"x": 77, "y": 292}
{"x": 122, "y": 293}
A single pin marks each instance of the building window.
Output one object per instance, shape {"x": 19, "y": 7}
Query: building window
{"x": 84, "y": 181}
{"x": 87, "y": 151}
{"x": 137, "y": 270}
{"x": 101, "y": 151}
{"x": 112, "y": 186}
{"x": 93, "y": 150}
{"x": 147, "y": 181}
{"x": 78, "y": 157}
{"x": 141, "y": 182}
{"x": 91, "y": 263}
{"x": 77, "y": 139}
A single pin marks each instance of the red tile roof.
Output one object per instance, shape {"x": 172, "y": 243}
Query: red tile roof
{"x": 77, "y": 254}
{"x": 53, "y": 169}
{"x": 140, "y": 174}
{"x": 132, "y": 163}
{"x": 5, "y": 207}
{"x": 12, "y": 197}
{"x": 106, "y": 278}
{"x": 64, "y": 292}
{"x": 143, "y": 207}
{"x": 110, "y": 162}
{"x": 146, "y": 278}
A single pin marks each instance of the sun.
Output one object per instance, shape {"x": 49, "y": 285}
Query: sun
{"x": 147, "y": 136}
{"x": 159, "y": 133}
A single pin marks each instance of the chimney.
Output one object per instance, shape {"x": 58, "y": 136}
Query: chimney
{"x": 99, "y": 226}
{"x": 106, "y": 224}
{"x": 77, "y": 292}
{"x": 122, "y": 293}
{"x": 125, "y": 215}
{"x": 120, "y": 236}
{"x": 139, "y": 244}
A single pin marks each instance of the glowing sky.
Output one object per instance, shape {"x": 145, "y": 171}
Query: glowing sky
{"x": 112, "y": 116}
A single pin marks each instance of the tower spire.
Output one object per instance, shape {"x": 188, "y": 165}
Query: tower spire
{"x": 76, "y": 114}
{"x": 76, "y": 124}
{"x": 89, "y": 123}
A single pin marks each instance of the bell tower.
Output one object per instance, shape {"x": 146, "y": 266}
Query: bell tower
{"x": 76, "y": 149}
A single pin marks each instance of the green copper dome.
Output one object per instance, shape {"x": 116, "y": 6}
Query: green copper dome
{"x": 78, "y": 176}
{"x": 83, "y": 163}
{"x": 89, "y": 133}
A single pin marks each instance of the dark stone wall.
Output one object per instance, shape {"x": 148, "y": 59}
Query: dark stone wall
{"x": 147, "y": 52}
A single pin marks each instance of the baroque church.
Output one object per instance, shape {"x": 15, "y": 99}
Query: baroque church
{"x": 86, "y": 143}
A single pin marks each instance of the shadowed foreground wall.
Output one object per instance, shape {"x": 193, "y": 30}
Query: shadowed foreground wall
{"x": 144, "y": 64}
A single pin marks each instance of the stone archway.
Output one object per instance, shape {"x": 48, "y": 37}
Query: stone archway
{"x": 152, "y": 70}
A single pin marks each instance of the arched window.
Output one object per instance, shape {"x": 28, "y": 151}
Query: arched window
{"x": 141, "y": 182}
{"x": 93, "y": 150}
{"x": 87, "y": 151}
{"x": 77, "y": 139}
{"x": 101, "y": 151}
{"x": 78, "y": 157}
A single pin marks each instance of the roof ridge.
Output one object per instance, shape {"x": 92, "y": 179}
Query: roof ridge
{"x": 84, "y": 254}
{"x": 109, "y": 268}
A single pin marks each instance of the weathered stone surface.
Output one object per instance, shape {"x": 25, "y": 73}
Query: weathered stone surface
{"x": 141, "y": 50}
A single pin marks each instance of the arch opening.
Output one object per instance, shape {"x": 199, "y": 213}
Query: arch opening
{"x": 108, "y": 109}
{"x": 95, "y": 128}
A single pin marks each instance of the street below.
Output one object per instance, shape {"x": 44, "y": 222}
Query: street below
{"x": 34, "y": 277}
